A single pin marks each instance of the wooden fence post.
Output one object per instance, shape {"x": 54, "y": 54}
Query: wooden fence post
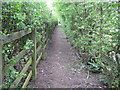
{"x": 1, "y": 62}
{"x": 34, "y": 56}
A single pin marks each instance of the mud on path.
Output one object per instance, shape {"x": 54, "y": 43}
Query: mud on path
{"x": 61, "y": 68}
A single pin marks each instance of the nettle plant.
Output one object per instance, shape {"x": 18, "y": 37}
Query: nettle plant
{"x": 92, "y": 28}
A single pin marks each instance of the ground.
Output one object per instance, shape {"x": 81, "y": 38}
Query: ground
{"x": 61, "y": 68}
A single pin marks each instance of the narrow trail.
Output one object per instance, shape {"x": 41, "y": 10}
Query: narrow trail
{"x": 61, "y": 67}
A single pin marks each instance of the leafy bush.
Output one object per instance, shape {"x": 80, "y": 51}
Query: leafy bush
{"x": 17, "y": 16}
{"x": 92, "y": 28}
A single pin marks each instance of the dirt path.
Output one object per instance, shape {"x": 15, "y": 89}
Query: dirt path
{"x": 61, "y": 67}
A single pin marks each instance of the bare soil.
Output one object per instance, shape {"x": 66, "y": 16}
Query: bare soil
{"x": 61, "y": 68}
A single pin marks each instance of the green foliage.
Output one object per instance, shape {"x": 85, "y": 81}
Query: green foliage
{"x": 17, "y": 16}
{"x": 94, "y": 67}
{"x": 29, "y": 44}
{"x": 103, "y": 80}
{"x": 92, "y": 28}
{"x": 10, "y": 77}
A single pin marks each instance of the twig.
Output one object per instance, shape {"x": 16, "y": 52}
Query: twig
{"x": 88, "y": 75}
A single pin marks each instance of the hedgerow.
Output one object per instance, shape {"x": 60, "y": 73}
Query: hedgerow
{"x": 17, "y": 16}
{"x": 93, "y": 29}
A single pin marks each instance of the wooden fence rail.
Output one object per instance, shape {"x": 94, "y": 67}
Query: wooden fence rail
{"x": 32, "y": 61}
{"x": 14, "y": 36}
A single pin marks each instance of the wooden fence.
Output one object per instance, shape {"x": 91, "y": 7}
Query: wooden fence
{"x": 32, "y": 61}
